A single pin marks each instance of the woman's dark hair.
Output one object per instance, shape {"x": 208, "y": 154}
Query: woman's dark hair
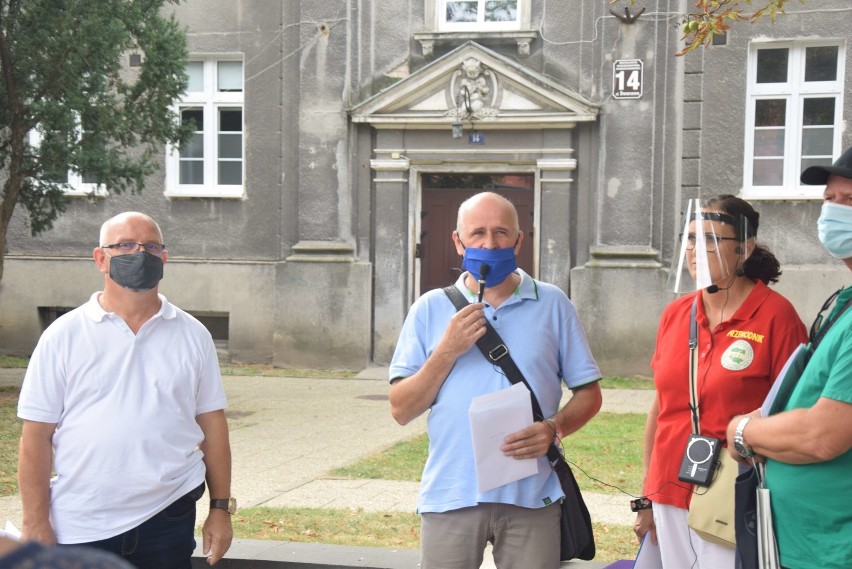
{"x": 762, "y": 264}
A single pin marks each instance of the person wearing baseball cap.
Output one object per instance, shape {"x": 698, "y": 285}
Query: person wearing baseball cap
{"x": 808, "y": 445}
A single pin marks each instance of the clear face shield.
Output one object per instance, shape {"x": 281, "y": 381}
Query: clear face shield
{"x": 711, "y": 249}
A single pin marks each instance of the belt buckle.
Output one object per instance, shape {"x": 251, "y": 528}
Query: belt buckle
{"x": 498, "y": 353}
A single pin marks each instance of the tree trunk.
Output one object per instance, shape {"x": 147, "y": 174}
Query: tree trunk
{"x": 11, "y": 192}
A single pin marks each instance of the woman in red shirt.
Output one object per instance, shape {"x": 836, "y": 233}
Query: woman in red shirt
{"x": 745, "y": 334}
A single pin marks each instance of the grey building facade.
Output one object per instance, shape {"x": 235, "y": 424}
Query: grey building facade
{"x": 296, "y": 223}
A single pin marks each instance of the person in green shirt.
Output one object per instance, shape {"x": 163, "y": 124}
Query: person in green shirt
{"x": 808, "y": 446}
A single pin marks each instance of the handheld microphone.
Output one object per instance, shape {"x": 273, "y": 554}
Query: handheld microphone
{"x": 484, "y": 269}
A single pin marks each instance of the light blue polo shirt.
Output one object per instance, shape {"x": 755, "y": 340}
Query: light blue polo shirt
{"x": 545, "y": 338}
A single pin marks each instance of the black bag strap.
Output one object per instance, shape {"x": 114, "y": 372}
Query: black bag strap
{"x": 579, "y": 541}
{"x": 820, "y": 328}
{"x": 495, "y": 351}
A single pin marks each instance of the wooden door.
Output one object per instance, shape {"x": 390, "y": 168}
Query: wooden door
{"x": 440, "y": 264}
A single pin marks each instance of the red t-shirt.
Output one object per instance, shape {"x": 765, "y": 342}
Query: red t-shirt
{"x": 737, "y": 363}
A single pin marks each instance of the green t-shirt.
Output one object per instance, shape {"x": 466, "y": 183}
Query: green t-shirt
{"x": 812, "y": 503}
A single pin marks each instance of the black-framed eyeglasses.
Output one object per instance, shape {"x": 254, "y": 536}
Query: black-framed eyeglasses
{"x": 710, "y": 241}
{"x": 127, "y": 248}
{"x": 815, "y": 327}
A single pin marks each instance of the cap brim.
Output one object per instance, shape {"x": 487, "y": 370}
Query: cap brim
{"x": 818, "y": 175}
{"x": 814, "y": 176}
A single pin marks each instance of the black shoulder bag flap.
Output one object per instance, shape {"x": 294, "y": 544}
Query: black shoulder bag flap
{"x": 578, "y": 541}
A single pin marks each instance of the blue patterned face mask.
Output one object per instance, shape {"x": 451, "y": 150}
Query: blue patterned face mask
{"x": 501, "y": 263}
{"x": 835, "y": 229}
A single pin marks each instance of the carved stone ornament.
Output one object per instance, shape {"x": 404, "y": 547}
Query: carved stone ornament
{"x": 473, "y": 92}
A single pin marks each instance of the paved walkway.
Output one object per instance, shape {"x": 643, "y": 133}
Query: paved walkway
{"x": 287, "y": 434}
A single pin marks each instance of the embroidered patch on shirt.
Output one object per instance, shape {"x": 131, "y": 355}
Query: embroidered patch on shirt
{"x": 747, "y": 335}
{"x": 739, "y": 355}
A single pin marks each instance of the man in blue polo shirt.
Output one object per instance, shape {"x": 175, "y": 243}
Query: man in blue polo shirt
{"x": 437, "y": 367}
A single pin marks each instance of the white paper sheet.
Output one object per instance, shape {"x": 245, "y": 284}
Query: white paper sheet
{"x": 11, "y": 531}
{"x": 649, "y": 555}
{"x": 492, "y": 418}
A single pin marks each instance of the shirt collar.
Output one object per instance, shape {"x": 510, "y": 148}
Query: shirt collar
{"x": 746, "y": 310}
{"x": 527, "y": 289}
{"x": 95, "y": 311}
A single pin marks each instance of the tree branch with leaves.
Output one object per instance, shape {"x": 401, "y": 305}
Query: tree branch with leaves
{"x": 63, "y": 77}
{"x": 715, "y": 17}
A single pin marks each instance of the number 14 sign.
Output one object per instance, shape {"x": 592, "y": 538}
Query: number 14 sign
{"x": 627, "y": 79}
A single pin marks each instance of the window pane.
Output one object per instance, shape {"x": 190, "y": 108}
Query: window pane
{"x": 230, "y": 146}
{"x": 195, "y": 70}
{"x": 194, "y": 147}
{"x": 821, "y": 63}
{"x": 230, "y": 120}
{"x": 768, "y": 173}
{"x": 501, "y": 10}
{"x": 53, "y": 154}
{"x": 770, "y": 112}
{"x": 772, "y": 65}
{"x": 808, "y": 162}
{"x": 195, "y": 115}
{"x": 769, "y": 142}
{"x": 461, "y": 11}
{"x": 817, "y": 141}
{"x": 191, "y": 172}
{"x": 230, "y": 76}
{"x": 91, "y": 140}
{"x": 89, "y": 178}
{"x": 818, "y": 111}
{"x": 230, "y": 173}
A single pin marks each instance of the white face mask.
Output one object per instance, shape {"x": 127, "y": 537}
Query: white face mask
{"x": 835, "y": 229}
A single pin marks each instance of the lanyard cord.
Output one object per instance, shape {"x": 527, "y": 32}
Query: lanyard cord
{"x": 693, "y": 368}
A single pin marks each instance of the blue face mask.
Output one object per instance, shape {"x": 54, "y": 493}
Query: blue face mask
{"x": 501, "y": 263}
{"x": 835, "y": 229}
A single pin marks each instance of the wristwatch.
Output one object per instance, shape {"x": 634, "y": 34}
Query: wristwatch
{"x": 229, "y": 505}
{"x": 739, "y": 442}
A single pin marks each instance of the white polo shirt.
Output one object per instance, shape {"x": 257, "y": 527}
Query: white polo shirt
{"x": 126, "y": 442}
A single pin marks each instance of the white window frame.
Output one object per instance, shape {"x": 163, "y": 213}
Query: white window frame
{"x": 75, "y": 187}
{"x": 210, "y": 100}
{"x": 441, "y": 23}
{"x": 795, "y": 91}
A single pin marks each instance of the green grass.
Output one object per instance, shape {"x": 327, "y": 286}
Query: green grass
{"x": 10, "y": 433}
{"x": 338, "y": 527}
{"x": 10, "y": 361}
{"x": 608, "y": 448}
{"x": 402, "y": 461}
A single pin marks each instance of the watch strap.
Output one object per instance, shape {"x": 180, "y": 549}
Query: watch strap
{"x": 739, "y": 440}
{"x": 227, "y": 504}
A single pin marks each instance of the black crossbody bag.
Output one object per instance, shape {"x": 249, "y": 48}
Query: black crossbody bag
{"x": 578, "y": 540}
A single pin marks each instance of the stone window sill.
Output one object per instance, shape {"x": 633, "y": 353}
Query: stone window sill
{"x": 428, "y": 40}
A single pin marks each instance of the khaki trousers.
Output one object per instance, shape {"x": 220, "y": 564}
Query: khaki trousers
{"x": 522, "y": 538}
